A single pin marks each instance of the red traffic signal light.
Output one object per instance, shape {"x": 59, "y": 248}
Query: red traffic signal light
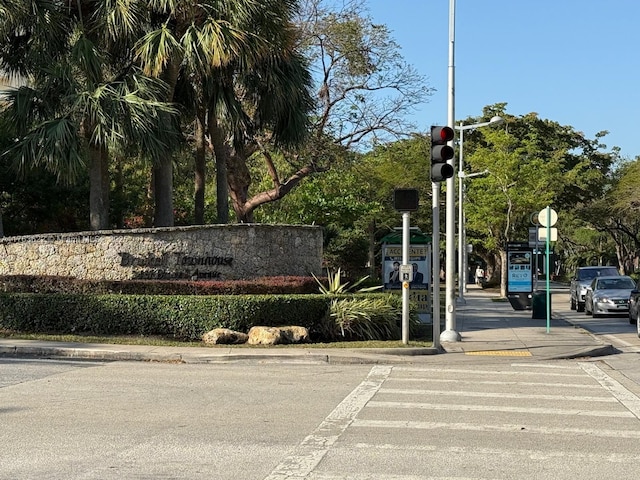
{"x": 441, "y": 153}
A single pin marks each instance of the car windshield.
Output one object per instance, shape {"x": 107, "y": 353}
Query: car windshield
{"x": 592, "y": 273}
{"x": 615, "y": 283}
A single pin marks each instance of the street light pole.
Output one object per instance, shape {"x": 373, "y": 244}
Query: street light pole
{"x": 462, "y": 247}
{"x": 450, "y": 335}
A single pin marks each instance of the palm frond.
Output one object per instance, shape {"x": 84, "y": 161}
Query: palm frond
{"x": 156, "y": 49}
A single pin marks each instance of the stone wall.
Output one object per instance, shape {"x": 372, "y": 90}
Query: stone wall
{"x": 219, "y": 252}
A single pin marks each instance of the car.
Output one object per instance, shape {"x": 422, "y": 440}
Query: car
{"x": 634, "y": 306}
{"x": 582, "y": 279}
{"x": 608, "y": 295}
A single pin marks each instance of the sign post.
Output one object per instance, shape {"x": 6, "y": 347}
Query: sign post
{"x": 547, "y": 218}
{"x": 405, "y": 201}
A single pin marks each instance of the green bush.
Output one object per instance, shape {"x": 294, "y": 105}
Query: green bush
{"x": 369, "y": 317}
{"x": 360, "y": 316}
{"x": 184, "y": 317}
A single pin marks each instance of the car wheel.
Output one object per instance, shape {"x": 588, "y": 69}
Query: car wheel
{"x": 632, "y": 320}
{"x": 572, "y": 304}
{"x": 586, "y": 310}
{"x": 580, "y": 307}
{"x": 595, "y": 315}
{"x": 638, "y": 323}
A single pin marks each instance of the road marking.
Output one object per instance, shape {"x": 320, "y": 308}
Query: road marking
{"x": 495, "y": 428}
{"x": 376, "y": 476}
{"x": 500, "y": 353}
{"x": 469, "y": 394}
{"x": 450, "y": 371}
{"x": 505, "y": 453}
{"x": 495, "y": 408}
{"x": 495, "y": 383}
{"x": 312, "y": 449}
{"x": 547, "y": 366}
{"x": 624, "y": 396}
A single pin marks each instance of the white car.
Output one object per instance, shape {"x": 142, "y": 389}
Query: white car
{"x": 608, "y": 295}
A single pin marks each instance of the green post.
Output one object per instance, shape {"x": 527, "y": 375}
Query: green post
{"x": 547, "y": 268}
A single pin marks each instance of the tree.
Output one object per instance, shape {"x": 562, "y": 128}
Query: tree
{"x": 615, "y": 214}
{"x": 364, "y": 91}
{"x": 532, "y": 163}
{"x": 205, "y": 42}
{"x": 83, "y": 95}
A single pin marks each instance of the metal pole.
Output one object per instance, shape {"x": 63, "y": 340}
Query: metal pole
{"x": 406, "y": 233}
{"x": 450, "y": 334}
{"x": 435, "y": 263}
{"x": 547, "y": 268}
{"x": 462, "y": 249}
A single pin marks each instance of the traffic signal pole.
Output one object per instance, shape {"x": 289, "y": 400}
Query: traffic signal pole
{"x": 450, "y": 334}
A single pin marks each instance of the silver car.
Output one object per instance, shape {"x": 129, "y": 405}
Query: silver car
{"x": 582, "y": 279}
{"x": 608, "y": 295}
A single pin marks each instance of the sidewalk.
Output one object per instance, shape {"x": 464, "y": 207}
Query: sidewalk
{"x": 494, "y": 328}
{"x": 487, "y": 328}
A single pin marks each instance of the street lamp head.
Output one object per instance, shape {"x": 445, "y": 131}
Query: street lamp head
{"x": 497, "y": 120}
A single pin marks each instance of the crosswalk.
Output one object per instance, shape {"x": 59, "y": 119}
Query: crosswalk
{"x": 562, "y": 420}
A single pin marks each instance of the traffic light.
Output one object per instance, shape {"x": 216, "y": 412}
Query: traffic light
{"x": 440, "y": 153}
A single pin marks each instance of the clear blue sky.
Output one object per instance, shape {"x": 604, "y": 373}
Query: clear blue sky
{"x": 575, "y": 62}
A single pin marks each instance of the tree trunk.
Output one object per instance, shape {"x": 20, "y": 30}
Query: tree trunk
{"x": 503, "y": 273}
{"x": 99, "y": 188}
{"x": 163, "y": 191}
{"x": 1, "y": 226}
{"x": 200, "y": 172}
{"x": 163, "y": 167}
{"x": 239, "y": 180}
{"x": 221, "y": 153}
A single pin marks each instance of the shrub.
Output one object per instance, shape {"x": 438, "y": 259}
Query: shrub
{"x": 184, "y": 317}
{"x": 369, "y": 317}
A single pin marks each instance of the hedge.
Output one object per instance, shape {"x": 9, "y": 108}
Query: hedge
{"x": 184, "y": 317}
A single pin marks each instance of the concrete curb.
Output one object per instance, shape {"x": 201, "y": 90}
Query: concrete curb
{"x": 337, "y": 356}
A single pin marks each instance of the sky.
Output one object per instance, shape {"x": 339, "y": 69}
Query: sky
{"x": 574, "y": 62}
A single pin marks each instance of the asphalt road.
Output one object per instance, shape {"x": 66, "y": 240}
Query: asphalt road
{"x": 498, "y": 418}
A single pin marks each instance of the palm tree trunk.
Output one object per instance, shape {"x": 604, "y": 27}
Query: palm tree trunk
{"x": 200, "y": 172}
{"x": 163, "y": 190}
{"x": 99, "y": 188}
{"x": 221, "y": 152}
{"x": 163, "y": 167}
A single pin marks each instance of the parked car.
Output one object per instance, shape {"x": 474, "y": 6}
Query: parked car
{"x": 608, "y": 295}
{"x": 582, "y": 279}
{"x": 634, "y": 306}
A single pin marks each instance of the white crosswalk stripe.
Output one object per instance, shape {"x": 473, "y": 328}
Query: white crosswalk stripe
{"x": 560, "y": 420}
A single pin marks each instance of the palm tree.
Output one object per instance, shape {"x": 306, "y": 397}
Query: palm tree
{"x": 84, "y": 95}
{"x": 230, "y": 51}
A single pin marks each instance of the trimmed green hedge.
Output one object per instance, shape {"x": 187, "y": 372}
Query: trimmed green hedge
{"x": 184, "y": 317}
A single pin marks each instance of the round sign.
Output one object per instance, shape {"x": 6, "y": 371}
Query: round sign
{"x": 542, "y": 217}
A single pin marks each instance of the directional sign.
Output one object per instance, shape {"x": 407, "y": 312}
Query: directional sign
{"x": 542, "y": 217}
{"x": 553, "y": 234}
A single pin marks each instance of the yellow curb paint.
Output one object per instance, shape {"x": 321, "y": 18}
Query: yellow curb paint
{"x": 501, "y": 353}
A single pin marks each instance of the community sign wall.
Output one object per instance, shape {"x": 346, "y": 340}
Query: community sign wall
{"x": 219, "y": 252}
